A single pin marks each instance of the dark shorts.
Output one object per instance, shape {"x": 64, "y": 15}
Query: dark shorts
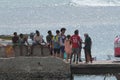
{"x": 57, "y": 50}
{"x": 62, "y": 49}
{"x": 80, "y": 50}
{"x": 75, "y": 50}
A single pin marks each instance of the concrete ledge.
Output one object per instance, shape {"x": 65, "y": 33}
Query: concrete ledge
{"x": 34, "y": 68}
{"x": 96, "y": 68}
{"x": 25, "y": 51}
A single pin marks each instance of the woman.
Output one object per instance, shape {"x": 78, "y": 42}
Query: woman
{"x": 68, "y": 47}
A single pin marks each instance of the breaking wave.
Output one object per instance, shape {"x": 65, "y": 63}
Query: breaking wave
{"x": 95, "y": 2}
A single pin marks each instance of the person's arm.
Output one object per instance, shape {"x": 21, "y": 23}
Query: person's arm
{"x": 26, "y": 40}
{"x": 47, "y": 39}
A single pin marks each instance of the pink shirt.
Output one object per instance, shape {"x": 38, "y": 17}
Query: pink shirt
{"x": 68, "y": 47}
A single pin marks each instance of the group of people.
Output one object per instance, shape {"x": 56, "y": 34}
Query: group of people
{"x": 22, "y": 39}
{"x": 19, "y": 40}
{"x": 61, "y": 44}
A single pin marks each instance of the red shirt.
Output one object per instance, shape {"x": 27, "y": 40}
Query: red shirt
{"x": 75, "y": 39}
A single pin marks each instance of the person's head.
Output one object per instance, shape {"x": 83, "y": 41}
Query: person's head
{"x": 37, "y": 32}
{"x": 15, "y": 33}
{"x": 86, "y": 35}
{"x": 63, "y": 30}
{"x": 68, "y": 36}
{"x": 49, "y": 32}
{"x": 21, "y": 35}
{"x": 57, "y": 31}
{"x": 76, "y": 32}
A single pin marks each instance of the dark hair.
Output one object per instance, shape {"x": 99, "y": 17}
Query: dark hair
{"x": 68, "y": 36}
{"x": 21, "y": 35}
{"x": 15, "y": 33}
{"x": 63, "y": 29}
{"x": 57, "y": 31}
{"x": 38, "y": 33}
{"x": 49, "y": 32}
{"x": 76, "y": 31}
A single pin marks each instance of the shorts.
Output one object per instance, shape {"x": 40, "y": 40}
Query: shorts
{"x": 80, "y": 50}
{"x": 62, "y": 49}
{"x": 57, "y": 50}
{"x": 75, "y": 50}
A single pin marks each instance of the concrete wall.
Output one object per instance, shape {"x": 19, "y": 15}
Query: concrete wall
{"x": 34, "y": 68}
{"x": 24, "y": 51}
{"x": 2, "y": 52}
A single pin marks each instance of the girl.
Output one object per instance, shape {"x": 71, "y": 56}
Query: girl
{"x": 68, "y": 47}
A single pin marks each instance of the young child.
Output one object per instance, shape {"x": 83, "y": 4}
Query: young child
{"x": 56, "y": 44}
{"x": 9, "y": 51}
{"x": 68, "y": 47}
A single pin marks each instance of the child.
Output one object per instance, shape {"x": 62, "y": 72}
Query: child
{"x": 9, "y": 51}
{"x": 68, "y": 47}
{"x": 56, "y": 44}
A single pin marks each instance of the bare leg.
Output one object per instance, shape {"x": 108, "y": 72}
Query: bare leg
{"x": 71, "y": 58}
{"x": 67, "y": 58}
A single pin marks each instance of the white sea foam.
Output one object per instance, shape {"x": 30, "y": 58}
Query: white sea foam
{"x": 95, "y": 2}
{"x": 51, "y": 3}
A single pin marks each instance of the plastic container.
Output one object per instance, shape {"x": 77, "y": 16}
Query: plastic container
{"x": 117, "y": 46}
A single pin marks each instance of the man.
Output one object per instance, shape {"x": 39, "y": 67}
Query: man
{"x": 87, "y": 48}
{"x": 62, "y": 40}
{"x": 49, "y": 42}
{"x": 15, "y": 39}
{"x": 76, "y": 42}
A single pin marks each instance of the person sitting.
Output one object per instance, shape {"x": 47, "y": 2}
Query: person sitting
{"x": 37, "y": 38}
{"x": 23, "y": 39}
{"x": 36, "y": 41}
{"x": 15, "y": 39}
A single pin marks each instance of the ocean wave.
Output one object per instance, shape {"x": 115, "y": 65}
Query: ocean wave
{"x": 54, "y": 3}
{"x": 95, "y": 2}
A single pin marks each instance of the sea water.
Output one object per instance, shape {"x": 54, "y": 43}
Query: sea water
{"x": 99, "y": 18}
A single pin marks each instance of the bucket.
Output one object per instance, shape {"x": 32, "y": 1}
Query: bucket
{"x": 117, "y": 46}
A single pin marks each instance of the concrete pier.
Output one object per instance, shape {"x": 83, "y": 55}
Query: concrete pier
{"x": 104, "y": 67}
{"x": 40, "y": 64}
{"x": 33, "y": 68}
{"x": 97, "y": 67}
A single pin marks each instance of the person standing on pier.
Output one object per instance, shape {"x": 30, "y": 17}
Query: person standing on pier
{"x": 56, "y": 44}
{"x": 49, "y": 38}
{"x": 62, "y": 40}
{"x": 76, "y": 42}
{"x": 87, "y": 48}
{"x": 68, "y": 47}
